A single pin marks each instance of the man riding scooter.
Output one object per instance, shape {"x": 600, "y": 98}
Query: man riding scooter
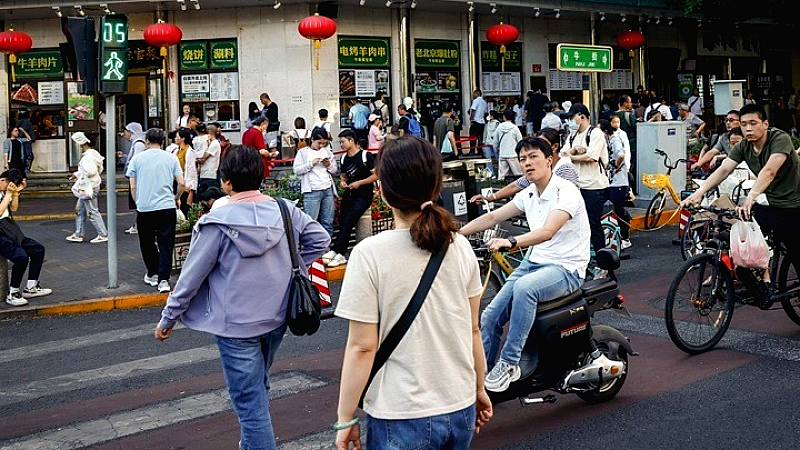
{"x": 554, "y": 266}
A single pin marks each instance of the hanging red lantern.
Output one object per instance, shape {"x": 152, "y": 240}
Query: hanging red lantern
{"x": 630, "y": 40}
{"x": 13, "y": 43}
{"x": 502, "y": 34}
{"x": 162, "y": 34}
{"x": 317, "y": 28}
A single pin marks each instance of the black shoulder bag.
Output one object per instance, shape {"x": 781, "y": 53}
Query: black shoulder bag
{"x": 304, "y": 308}
{"x": 407, "y": 318}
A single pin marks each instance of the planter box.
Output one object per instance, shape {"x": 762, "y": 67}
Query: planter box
{"x": 181, "y": 250}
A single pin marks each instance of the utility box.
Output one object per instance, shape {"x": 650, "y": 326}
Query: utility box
{"x": 669, "y": 136}
{"x": 728, "y": 95}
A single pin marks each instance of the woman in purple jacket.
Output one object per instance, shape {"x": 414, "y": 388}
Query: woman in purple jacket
{"x": 234, "y": 285}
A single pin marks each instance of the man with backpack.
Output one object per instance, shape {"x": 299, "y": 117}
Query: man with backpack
{"x": 357, "y": 168}
{"x": 413, "y": 124}
{"x": 588, "y": 149}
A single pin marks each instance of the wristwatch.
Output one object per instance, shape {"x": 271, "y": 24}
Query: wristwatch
{"x": 512, "y": 240}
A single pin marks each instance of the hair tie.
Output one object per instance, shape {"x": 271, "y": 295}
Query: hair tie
{"x": 425, "y": 205}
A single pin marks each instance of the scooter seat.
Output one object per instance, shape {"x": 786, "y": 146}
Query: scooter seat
{"x": 594, "y": 287}
{"x": 559, "y": 302}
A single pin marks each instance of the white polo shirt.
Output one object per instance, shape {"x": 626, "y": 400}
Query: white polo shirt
{"x": 569, "y": 247}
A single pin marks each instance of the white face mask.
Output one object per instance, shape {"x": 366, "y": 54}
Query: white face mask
{"x": 572, "y": 124}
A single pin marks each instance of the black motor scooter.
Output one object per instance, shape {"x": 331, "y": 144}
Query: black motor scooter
{"x": 565, "y": 353}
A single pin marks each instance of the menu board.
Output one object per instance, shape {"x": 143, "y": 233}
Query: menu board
{"x": 567, "y": 81}
{"x": 51, "y": 92}
{"x": 617, "y": 80}
{"x": 195, "y": 87}
{"x": 79, "y": 106}
{"x": 444, "y": 81}
{"x": 502, "y": 83}
{"x": 224, "y": 86}
{"x": 365, "y": 83}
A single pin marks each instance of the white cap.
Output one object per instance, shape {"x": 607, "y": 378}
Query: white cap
{"x": 372, "y": 117}
{"x": 80, "y": 138}
{"x": 408, "y": 102}
{"x": 566, "y": 105}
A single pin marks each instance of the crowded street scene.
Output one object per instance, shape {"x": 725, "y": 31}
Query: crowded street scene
{"x": 410, "y": 224}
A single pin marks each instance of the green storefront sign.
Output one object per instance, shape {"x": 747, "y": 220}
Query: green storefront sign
{"x": 490, "y": 57}
{"x": 224, "y": 54}
{"x": 194, "y": 55}
{"x": 363, "y": 52}
{"x": 436, "y": 53}
{"x": 584, "y": 58}
{"x": 39, "y": 64}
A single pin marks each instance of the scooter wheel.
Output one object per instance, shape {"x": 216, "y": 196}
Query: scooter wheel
{"x": 609, "y": 389}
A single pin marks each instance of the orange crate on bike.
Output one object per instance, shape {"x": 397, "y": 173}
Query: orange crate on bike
{"x": 655, "y": 180}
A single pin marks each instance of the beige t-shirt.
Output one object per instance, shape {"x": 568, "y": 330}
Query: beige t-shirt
{"x": 432, "y": 370}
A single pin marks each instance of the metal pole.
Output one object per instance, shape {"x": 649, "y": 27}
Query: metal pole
{"x": 594, "y": 88}
{"x": 406, "y": 85}
{"x": 111, "y": 189}
{"x": 474, "y": 83}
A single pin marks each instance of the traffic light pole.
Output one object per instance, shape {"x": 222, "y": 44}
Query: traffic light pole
{"x": 111, "y": 189}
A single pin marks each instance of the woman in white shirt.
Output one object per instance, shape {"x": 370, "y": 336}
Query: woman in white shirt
{"x": 183, "y": 120}
{"x": 505, "y": 141}
{"x": 315, "y": 165}
{"x": 489, "y": 151}
{"x": 89, "y": 169}
{"x": 299, "y": 137}
{"x": 433, "y": 380}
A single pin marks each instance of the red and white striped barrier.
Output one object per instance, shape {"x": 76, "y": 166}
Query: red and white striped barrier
{"x": 685, "y": 215}
{"x": 319, "y": 278}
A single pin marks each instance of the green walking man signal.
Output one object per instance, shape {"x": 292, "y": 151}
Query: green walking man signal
{"x": 113, "y": 54}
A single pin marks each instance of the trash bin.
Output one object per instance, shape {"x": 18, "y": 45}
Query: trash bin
{"x": 478, "y": 179}
{"x": 454, "y": 199}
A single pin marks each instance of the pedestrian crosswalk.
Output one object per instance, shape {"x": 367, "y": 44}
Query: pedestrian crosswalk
{"x": 148, "y": 409}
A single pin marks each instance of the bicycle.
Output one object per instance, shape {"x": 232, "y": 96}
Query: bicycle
{"x": 495, "y": 267}
{"x": 661, "y": 183}
{"x": 701, "y": 298}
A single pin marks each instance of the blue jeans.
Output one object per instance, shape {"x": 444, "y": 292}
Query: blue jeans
{"x": 516, "y": 303}
{"x": 89, "y": 207}
{"x": 490, "y": 153}
{"x": 451, "y": 431}
{"x": 245, "y": 364}
{"x": 320, "y": 206}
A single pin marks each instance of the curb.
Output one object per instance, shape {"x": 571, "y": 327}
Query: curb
{"x": 667, "y": 218}
{"x": 128, "y": 301}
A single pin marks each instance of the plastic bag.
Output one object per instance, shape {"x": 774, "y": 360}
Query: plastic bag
{"x": 748, "y": 246}
{"x": 82, "y": 188}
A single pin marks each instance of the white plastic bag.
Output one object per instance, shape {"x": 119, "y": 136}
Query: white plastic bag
{"x": 748, "y": 246}
{"x": 82, "y": 188}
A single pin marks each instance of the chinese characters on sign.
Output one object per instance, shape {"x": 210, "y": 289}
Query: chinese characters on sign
{"x": 40, "y": 64}
{"x": 205, "y": 55}
{"x": 194, "y": 55}
{"x": 363, "y": 52}
{"x": 436, "y": 53}
{"x": 195, "y": 88}
{"x": 224, "y": 54}
{"x": 490, "y": 57}
{"x": 584, "y": 58}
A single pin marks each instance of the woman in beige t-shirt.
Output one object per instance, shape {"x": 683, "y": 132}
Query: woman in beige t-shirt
{"x": 433, "y": 380}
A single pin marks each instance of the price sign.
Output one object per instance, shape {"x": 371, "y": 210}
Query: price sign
{"x": 113, "y": 54}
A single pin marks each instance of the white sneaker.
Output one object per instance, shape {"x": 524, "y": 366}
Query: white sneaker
{"x": 163, "y": 286}
{"x": 99, "y": 239}
{"x": 16, "y": 299}
{"x": 152, "y": 281}
{"x": 74, "y": 238}
{"x": 626, "y": 243}
{"x": 328, "y": 257}
{"x": 337, "y": 260}
{"x": 36, "y": 291}
{"x": 502, "y": 375}
{"x": 132, "y": 230}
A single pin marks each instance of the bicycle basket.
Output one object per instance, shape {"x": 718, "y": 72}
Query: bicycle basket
{"x": 488, "y": 235}
{"x": 655, "y": 180}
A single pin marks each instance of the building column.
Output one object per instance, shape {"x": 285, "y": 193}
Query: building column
{"x": 594, "y": 86}
{"x": 406, "y": 79}
{"x": 473, "y": 53}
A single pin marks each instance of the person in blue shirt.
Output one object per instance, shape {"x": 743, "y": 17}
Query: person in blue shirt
{"x": 358, "y": 116}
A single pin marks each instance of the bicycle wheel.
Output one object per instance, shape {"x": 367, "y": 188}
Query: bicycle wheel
{"x": 613, "y": 241}
{"x": 495, "y": 283}
{"x": 788, "y": 280}
{"x": 699, "y": 304}
{"x": 695, "y": 234}
{"x": 654, "y": 210}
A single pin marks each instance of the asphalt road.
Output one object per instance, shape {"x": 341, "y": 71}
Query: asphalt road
{"x": 100, "y": 381}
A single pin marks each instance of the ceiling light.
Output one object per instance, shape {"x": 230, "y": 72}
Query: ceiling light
{"x": 196, "y": 4}
{"x": 658, "y": 20}
{"x": 413, "y": 4}
{"x": 80, "y": 10}
{"x": 388, "y": 3}
{"x": 648, "y": 20}
{"x": 183, "y": 4}
{"x": 276, "y": 5}
{"x": 471, "y": 6}
{"x": 537, "y": 12}
{"x": 602, "y": 16}
{"x": 57, "y": 10}
{"x": 362, "y": 2}
{"x": 558, "y": 13}
{"x": 494, "y": 7}
{"x": 105, "y": 8}
{"x": 623, "y": 19}
{"x": 670, "y": 21}
{"x": 699, "y": 23}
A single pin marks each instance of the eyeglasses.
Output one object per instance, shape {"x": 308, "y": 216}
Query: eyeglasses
{"x": 731, "y": 120}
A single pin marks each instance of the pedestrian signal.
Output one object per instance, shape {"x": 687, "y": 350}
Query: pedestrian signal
{"x": 113, "y": 54}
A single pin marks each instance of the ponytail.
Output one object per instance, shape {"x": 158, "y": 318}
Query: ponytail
{"x": 433, "y": 228}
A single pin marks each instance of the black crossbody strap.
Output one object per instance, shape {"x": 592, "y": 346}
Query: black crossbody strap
{"x": 407, "y": 318}
{"x": 287, "y": 225}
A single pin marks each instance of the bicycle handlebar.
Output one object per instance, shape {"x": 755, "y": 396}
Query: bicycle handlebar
{"x": 667, "y": 161}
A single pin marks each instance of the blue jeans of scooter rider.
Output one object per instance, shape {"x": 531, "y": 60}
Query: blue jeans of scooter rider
{"x": 530, "y": 284}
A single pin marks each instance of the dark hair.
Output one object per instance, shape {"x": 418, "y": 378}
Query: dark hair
{"x": 529, "y": 143}
{"x": 192, "y": 117}
{"x": 509, "y": 114}
{"x": 264, "y": 95}
{"x": 737, "y": 131}
{"x": 212, "y": 192}
{"x": 551, "y": 135}
{"x": 155, "y": 136}
{"x": 652, "y": 113}
{"x": 171, "y": 136}
{"x": 550, "y": 106}
{"x": 201, "y": 128}
{"x": 578, "y": 108}
{"x": 624, "y": 98}
{"x": 243, "y": 167}
{"x": 733, "y": 111}
{"x": 363, "y": 143}
{"x": 12, "y": 175}
{"x": 185, "y": 135}
{"x": 753, "y": 109}
{"x": 410, "y": 170}
{"x": 258, "y": 121}
{"x": 323, "y": 113}
{"x": 348, "y": 134}
{"x": 447, "y": 107}
{"x": 250, "y": 111}
{"x": 300, "y": 123}
{"x": 10, "y": 129}
{"x": 605, "y": 126}
{"x": 404, "y": 123}
{"x": 402, "y": 107}
{"x": 494, "y": 114}
{"x": 318, "y": 133}
{"x": 23, "y": 113}
{"x": 92, "y": 137}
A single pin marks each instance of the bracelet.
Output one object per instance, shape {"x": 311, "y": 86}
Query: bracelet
{"x": 343, "y": 426}
{"x": 493, "y": 198}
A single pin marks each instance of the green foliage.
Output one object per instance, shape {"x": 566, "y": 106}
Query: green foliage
{"x": 192, "y": 217}
{"x": 288, "y": 187}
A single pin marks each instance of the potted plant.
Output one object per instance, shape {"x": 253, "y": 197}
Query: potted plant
{"x": 183, "y": 235}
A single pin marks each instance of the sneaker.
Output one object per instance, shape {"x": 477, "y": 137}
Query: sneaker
{"x": 328, "y": 257}
{"x": 16, "y": 299}
{"x": 74, "y": 238}
{"x": 36, "y": 291}
{"x": 152, "y": 281}
{"x": 337, "y": 260}
{"x": 132, "y": 230}
{"x": 99, "y": 239}
{"x": 502, "y": 375}
{"x": 626, "y": 243}
{"x": 163, "y": 286}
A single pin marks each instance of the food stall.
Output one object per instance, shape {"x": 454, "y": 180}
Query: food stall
{"x": 364, "y": 73}
{"x": 437, "y": 79}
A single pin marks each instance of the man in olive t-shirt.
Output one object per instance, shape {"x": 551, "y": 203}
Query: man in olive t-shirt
{"x": 443, "y": 129}
{"x": 770, "y": 155}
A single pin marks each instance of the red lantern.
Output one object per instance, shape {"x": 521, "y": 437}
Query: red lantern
{"x": 502, "y": 34}
{"x": 162, "y": 35}
{"x": 317, "y": 28}
{"x": 630, "y": 40}
{"x": 13, "y": 43}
